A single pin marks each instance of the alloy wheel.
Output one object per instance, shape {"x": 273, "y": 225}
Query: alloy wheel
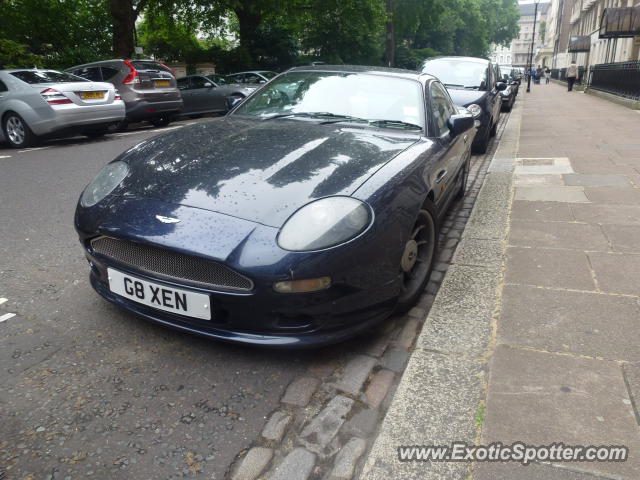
{"x": 15, "y": 130}
{"x": 418, "y": 256}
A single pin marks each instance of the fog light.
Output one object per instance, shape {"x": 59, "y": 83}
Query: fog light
{"x": 302, "y": 286}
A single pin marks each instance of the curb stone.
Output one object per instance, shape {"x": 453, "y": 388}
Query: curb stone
{"x": 443, "y": 384}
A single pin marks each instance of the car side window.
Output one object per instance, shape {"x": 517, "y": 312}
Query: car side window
{"x": 198, "y": 82}
{"x": 90, "y": 73}
{"x": 3, "y": 87}
{"x": 442, "y": 108}
{"x": 252, "y": 78}
{"x": 108, "y": 73}
{"x": 183, "y": 83}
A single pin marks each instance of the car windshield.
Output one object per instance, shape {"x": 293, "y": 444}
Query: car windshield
{"x": 46, "y": 76}
{"x": 217, "y": 79}
{"x": 340, "y": 97}
{"x": 458, "y": 73}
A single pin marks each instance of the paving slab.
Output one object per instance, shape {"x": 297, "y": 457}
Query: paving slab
{"x": 541, "y": 398}
{"x": 623, "y": 238}
{"x": 577, "y": 236}
{"x": 551, "y": 193}
{"x": 573, "y": 322}
{"x": 607, "y": 214}
{"x": 541, "y": 211}
{"x": 596, "y": 180}
{"x": 534, "y": 179}
{"x": 613, "y": 195}
{"x": 617, "y": 272}
{"x": 510, "y": 471}
{"x": 632, "y": 377}
{"x": 549, "y": 268}
{"x": 434, "y": 386}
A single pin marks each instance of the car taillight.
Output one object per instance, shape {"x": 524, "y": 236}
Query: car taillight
{"x": 133, "y": 74}
{"x": 54, "y": 97}
{"x": 117, "y": 96}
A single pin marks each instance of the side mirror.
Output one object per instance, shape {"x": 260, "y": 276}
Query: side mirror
{"x": 500, "y": 86}
{"x": 460, "y": 123}
{"x": 233, "y": 101}
{"x": 515, "y": 82}
{"x": 208, "y": 85}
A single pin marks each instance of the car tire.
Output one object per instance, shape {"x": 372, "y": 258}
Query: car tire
{"x": 120, "y": 126}
{"x": 464, "y": 179}
{"x": 162, "y": 121}
{"x": 418, "y": 258}
{"x": 16, "y": 131}
{"x": 483, "y": 145}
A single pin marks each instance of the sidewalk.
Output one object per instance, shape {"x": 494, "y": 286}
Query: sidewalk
{"x": 538, "y": 320}
{"x": 566, "y": 367}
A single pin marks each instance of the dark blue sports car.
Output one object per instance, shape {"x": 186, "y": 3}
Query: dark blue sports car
{"x": 306, "y": 215}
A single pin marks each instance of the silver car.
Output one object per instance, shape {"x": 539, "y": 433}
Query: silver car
{"x": 209, "y": 93}
{"x": 42, "y": 103}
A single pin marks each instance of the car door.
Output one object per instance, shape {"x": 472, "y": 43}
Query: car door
{"x": 203, "y": 94}
{"x": 184, "y": 87}
{"x": 452, "y": 148}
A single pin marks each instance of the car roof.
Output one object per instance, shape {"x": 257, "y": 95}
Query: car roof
{"x": 9, "y": 70}
{"x": 251, "y": 71}
{"x": 454, "y": 57}
{"x": 395, "y": 72}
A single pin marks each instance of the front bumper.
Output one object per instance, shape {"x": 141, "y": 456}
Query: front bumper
{"x": 363, "y": 292}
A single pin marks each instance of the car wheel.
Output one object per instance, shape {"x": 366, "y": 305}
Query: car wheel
{"x": 508, "y": 106}
{"x": 418, "y": 258}
{"x": 464, "y": 178}
{"x": 120, "y": 126}
{"x": 16, "y": 131}
{"x": 483, "y": 145}
{"x": 162, "y": 121}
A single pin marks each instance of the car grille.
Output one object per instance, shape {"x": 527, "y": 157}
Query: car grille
{"x": 171, "y": 265}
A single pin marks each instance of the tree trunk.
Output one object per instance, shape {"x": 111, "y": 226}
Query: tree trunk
{"x": 124, "y": 20}
{"x": 248, "y": 23}
{"x": 390, "y": 41}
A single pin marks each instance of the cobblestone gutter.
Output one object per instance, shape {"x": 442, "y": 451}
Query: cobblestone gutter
{"x": 328, "y": 418}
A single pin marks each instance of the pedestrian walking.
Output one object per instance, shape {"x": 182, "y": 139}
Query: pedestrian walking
{"x": 572, "y": 75}
{"x": 547, "y": 75}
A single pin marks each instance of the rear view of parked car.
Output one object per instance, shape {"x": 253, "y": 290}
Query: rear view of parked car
{"x": 209, "y": 94}
{"x": 38, "y": 103}
{"x": 510, "y": 77}
{"x": 147, "y": 87}
{"x": 472, "y": 83}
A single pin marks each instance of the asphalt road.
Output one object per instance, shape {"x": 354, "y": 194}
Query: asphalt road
{"x": 86, "y": 389}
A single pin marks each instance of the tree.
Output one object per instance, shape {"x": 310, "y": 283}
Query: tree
{"x": 124, "y": 14}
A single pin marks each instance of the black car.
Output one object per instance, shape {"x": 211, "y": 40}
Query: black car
{"x": 306, "y": 215}
{"x": 509, "y": 76}
{"x": 472, "y": 83}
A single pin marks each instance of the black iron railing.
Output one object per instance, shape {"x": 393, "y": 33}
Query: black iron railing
{"x": 621, "y": 78}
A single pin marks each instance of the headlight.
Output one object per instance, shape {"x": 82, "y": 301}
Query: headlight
{"x": 476, "y": 110}
{"x": 324, "y": 223}
{"x": 104, "y": 183}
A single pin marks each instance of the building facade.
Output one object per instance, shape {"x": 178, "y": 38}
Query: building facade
{"x": 521, "y": 46}
{"x": 500, "y": 54}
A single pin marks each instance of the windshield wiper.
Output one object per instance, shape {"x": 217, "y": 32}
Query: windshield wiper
{"x": 472, "y": 88}
{"x": 455, "y": 85}
{"x": 312, "y": 115}
{"x": 394, "y": 124}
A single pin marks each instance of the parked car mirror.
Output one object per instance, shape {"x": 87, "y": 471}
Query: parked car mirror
{"x": 500, "y": 86}
{"x": 460, "y": 123}
{"x": 515, "y": 82}
{"x": 208, "y": 85}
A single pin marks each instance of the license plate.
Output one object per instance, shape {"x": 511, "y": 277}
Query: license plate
{"x": 162, "y": 83}
{"x": 162, "y": 297}
{"x": 91, "y": 95}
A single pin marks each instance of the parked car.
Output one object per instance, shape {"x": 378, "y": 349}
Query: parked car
{"x": 472, "y": 83}
{"x": 292, "y": 221}
{"x": 39, "y": 103}
{"x": 509, "y": 94}
{"x": 202, "y": 94}
{"x": 147, "y": 87}
{"x": 254, "y": 77}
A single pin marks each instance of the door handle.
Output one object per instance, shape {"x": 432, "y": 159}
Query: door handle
{"x": 441, "y": 175}
{"x": 465, "y": 138}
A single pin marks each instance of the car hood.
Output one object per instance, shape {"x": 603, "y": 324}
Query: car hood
{"x": 258, "y": 170}
{"x": 465, "y": 97}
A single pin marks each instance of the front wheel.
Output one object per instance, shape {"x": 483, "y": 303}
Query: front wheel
{"x": 417, "y": 259}
{"x": 162, "y": 121}
{"x": 17, "y": 132}
{"x": 464, "y": 179}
